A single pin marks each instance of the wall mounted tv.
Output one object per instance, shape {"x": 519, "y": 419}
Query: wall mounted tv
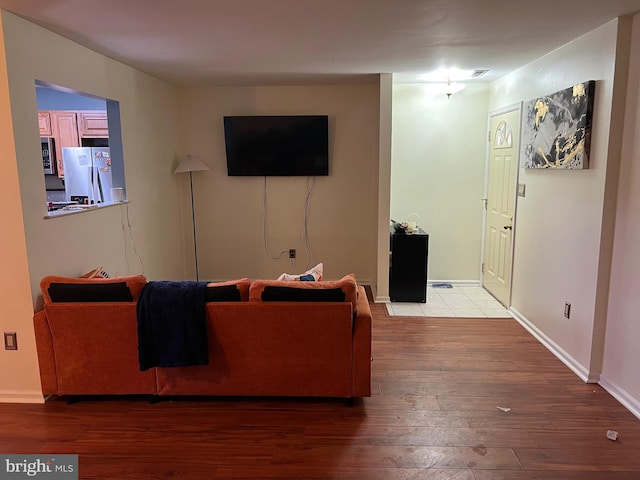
{"x": 285, "y": 145}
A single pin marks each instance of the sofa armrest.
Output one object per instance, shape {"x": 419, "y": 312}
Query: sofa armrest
{"x": 362, "y": 346}
{"x": 46, "y": 357}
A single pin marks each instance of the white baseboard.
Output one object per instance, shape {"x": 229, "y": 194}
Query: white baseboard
{"x": 620, "y": 394}
{"x": 21, "y": 396}
{"x": 554, "y": 348}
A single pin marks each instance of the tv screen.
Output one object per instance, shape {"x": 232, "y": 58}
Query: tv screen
{"x": 288, "y": 145}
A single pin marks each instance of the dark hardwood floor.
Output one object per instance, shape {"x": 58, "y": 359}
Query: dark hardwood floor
{"x": 436, "y": 383}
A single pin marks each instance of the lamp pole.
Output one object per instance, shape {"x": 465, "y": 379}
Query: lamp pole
{"x": 193, "y": 221}
{"x": 190, "y": 164}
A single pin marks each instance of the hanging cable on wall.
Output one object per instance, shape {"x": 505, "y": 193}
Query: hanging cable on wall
{"x": 133, "y": 241}
{"x": 265, "y": 236}
{"x": 124, "y": 238}
{"x": 304, "y": 229}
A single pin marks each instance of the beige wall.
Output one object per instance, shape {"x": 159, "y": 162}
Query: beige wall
{"x": 19, "y": 378}
{"x": 621, "y": 353}
{"x": 229, "y": 210}
{"x": 75, "y": 244}
{"x": 560, "y": 241}
{"x": 438, "y": 171}
{"x": 384, "y": 186}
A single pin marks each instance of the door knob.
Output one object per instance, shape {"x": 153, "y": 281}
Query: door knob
{"x": 507, "y": 227}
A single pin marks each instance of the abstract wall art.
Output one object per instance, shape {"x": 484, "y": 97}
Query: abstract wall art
{"x": 556, "y": 129}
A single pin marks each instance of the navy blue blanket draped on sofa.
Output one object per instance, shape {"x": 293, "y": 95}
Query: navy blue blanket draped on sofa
{"x": 172, "y": 329}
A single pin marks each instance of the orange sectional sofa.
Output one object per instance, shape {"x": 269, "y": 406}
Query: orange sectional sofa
{"x": 89, "y": 346}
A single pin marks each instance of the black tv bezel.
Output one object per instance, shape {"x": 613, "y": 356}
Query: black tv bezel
{"x": 232, "y": 165}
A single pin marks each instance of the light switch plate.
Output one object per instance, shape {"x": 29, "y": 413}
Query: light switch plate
{"x": 521, "y": 189}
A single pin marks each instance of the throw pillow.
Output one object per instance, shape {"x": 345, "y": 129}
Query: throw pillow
{"x": 224, "y": 293}
{"x": 293, "y": 294}
{"x": 229, "y": 291}
{"x": 312, "y": 275}
{"x": 90, "y": 292}
{"x": 347, "y": 286}
{"x": 134, "y": 283}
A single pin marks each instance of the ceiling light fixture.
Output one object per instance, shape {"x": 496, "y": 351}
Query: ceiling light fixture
{"x": 453, "y": 88}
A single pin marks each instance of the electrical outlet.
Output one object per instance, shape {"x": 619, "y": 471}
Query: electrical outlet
{"x": 292, "y": 253}
{"x": 10, "y": 341}
{"x": 567, "y": 309}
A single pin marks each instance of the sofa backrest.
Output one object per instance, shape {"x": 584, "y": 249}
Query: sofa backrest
{"x": 271, "y": 348}
{"x": 57, "y": 289}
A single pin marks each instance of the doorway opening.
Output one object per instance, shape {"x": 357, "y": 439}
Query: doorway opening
{"x": 500, "y": 203}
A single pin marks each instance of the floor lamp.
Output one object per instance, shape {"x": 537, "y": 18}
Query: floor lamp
{"x": 190, "y": 164}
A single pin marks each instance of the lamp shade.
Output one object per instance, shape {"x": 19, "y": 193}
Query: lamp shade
{"x": 190, "y": 164}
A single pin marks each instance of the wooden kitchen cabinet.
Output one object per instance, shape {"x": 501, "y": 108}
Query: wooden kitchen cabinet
{"x": 69, "y": 127}
{"x": 64, "y": 129}
{"x": 44, "y": 123}
{"x": 93, "y": 124}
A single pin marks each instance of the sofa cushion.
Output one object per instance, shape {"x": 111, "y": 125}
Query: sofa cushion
{"x": 344, "y": 289}
{"x": 229, "y": 291}
{"x": 134, "y": 283}
{"x": 90, "y": 292}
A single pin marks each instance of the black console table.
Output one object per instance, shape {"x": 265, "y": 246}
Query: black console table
{"x": 408, "y": 266}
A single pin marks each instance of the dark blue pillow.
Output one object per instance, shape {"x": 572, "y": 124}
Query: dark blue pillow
{"x": 292, "y": 294}
{"x": 90, "y": 292}
{"x": 223, "y": 293}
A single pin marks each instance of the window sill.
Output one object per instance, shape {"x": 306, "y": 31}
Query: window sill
{"x": 81, "y": 209}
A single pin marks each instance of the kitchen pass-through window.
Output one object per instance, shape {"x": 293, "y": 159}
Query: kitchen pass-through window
{"x": 81, "y": 144}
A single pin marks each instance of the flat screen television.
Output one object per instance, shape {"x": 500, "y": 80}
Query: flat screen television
{"x": 284, "y": 145}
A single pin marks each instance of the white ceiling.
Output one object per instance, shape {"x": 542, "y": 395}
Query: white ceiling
{"x": 206, "y": 42}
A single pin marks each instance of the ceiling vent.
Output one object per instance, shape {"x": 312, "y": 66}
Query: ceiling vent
{"x": 479, "y": 73}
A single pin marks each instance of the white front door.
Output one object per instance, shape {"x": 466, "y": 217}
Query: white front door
{"x": 501, "y": 198}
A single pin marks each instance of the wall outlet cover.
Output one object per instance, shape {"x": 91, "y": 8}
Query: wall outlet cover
{"x": 10, "y": 341}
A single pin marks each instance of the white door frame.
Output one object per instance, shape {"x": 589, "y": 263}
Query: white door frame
{"x": 494, "y": 113}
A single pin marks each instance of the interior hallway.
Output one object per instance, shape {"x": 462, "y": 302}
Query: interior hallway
{"x": 457, "y": 301}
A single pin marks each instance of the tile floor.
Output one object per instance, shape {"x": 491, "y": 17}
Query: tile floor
{"x": 459, "y": 301}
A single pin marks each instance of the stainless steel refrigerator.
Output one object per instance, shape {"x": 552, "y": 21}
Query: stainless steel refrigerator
{"x": 87, "y": 174}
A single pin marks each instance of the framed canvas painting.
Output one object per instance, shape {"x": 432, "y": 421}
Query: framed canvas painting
{"x": 556, "y": 128}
